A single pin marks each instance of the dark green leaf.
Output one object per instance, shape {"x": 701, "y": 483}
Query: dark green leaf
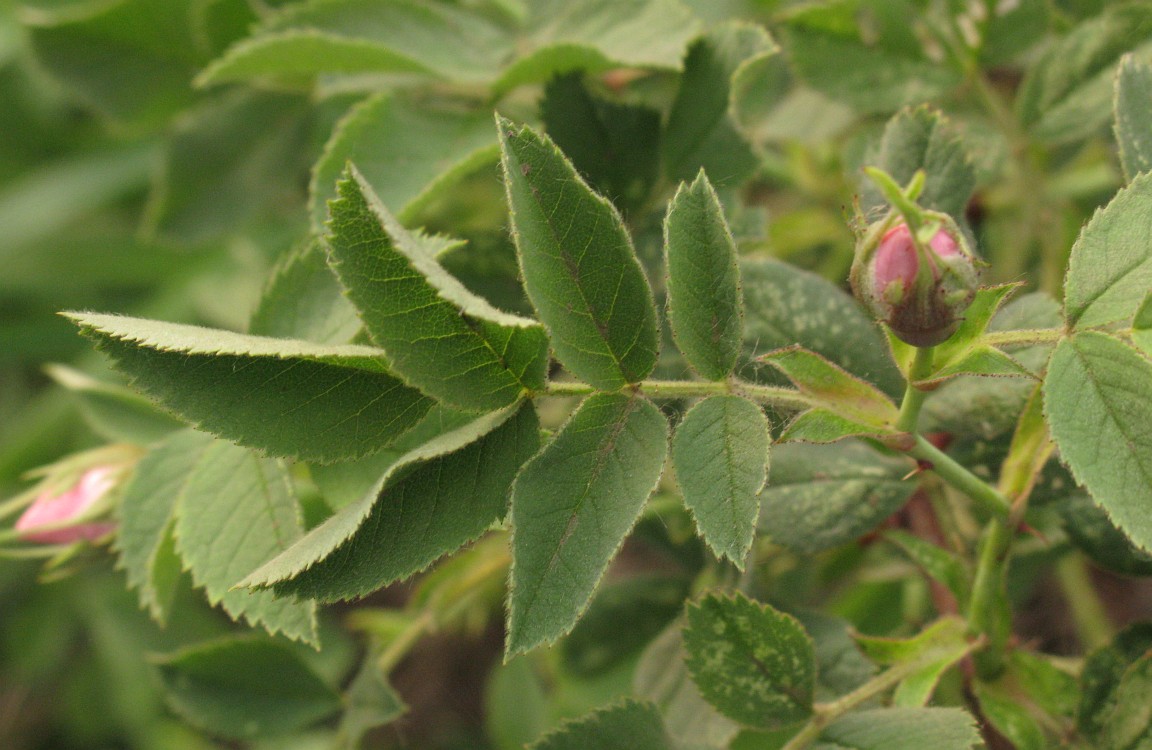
{"x": 720, "y": 451}
{"x": 409, "y": 151}
{"x": 631, "y": 724}
{"x": 865, "y": 53}
{"x": 784, "y": 305}
{"x": 1098, "y": 401}
{"x": 937, "y": 563}
{"x": 1110, "y": 269}
{"x": 438, "y": 336}
{"x": 704, "y": 297}
{"x": 923, "y": 139}
{"x": 1092, "y": 531}
{"x": 284, "y": 396}
{"x": 245, "y": 688}
{"x": 615, "y": 146}
{"x": 754, "y": 664}
{"x": 901, "y": 729}
{"x": 1128, "y": 722}
{"x": 579, "y": 268}
{"x": 1132, "y": 108}
{"x": 701, "y": 133}
{"x": 234, "y": 512}
{"x": 821, "y": 496}
{"x": 432, "y": 501}
{"x": 304, "y": 300}
{"x": 572, "y": 506}
{"x": 1067, "y": 94}
{"x": 1102, "y": 673}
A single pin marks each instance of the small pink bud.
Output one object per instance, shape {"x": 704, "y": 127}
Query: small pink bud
{"x": 923, "y": 307}
{"x": 54, "y": 510}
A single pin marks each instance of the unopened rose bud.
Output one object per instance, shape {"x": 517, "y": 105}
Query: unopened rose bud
{"x": 922, "y": 306}
{"x": 56, "y": 513}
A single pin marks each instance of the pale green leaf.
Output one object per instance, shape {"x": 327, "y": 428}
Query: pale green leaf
{"x": 304, "y": 300}
{"x": 720, "y": 452}
{"x": 430, "y": 38}
{"x": 822, "y": 496}
{"x": 1067, "y": 94}
{"x": 923, "y": 139}
{"x": 409, "y": 151}
{"x": 901, "y": 729}
{"x": 234, "y": 512}
{"x": 836, "y": 395}
{"x": 369, "y": 702}
{"x": 929, "y": 654}
{"x": 1110, "y": 269}
{"x": 632, "y": 724}
{"x": 966, "y": 352}
{"x": 283, "y": 396}
{"x": 785, "y": 305}
{"x": 1098, "y": 401}
{"x": 754, "y": 664}
{"x": 572, "y": 506}
{"x": 701, "y": 132}
{"x": 597, "y": 35}
{"x": 865, "y": 53}
{"x": 580, "y": 270}
{"x": 432, "y": 500}
{"x": 1132, "y": 111}
{"x": 146, "y": 515}
{"x": 117, "y": 413}
{"x": 1011, "y": 717}
{"x": 704, "y": 297}
{"x": 662, "y": 677}
{"x": 616, "y": 146}
{"x": 244, "y": 688}
{"x": 438, "y": 335}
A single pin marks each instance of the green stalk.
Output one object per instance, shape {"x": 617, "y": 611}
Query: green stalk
{"x": 1093, "y": 624}
{"x": 914, "y": 396}
{"x": 987, "y": 612}
{"x": 959, "y": 477}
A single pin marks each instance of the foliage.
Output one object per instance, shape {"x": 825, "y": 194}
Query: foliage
{"x": 538, "y": 309}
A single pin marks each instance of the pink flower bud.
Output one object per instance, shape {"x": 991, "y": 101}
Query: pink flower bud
{"x": 54, "y": 510}
{"x": 923, "y": 307}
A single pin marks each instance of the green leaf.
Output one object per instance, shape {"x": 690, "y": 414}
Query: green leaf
{"x": 843, "y": 404}
{"x": 662, "y": 677}
{"x": 701, "y": 132}
{"x": 438, "y": 336}
{"x": 572, "y": 506}
{"x": 865, "y": 53}
{"x": 283, "y": 396}
{"x": 1067, "y": 94}
{"x": 901, "y": 729}
{"x": 1142, "y": 326}
{"x": 632, "y": 724}
{"x": 597, "y": 35}
{"x": 616, "y": 146}
{"x": 1102, "y": 673}
{"x": 966, "y": 352}
{"x": 204, "y": 189}
{"x": 369, "y": 702}
{"x": 1110, "y": 269}
{"x": 432, "y": 500}
{"x": 933, "y": 652}
{"x": 704, "y": 298}
{"x": 410, "y": 151}
{"x": 1091, "y": 530}
{"x": 115, "y": 412}
{"x": 646, "y": 602}
{"x": 430, "y": 38}
{"x": 304, "y": 300}
{"x": 922, "y": 138}
{"x": 234, "y": 512}
{"x": 244, "y": 688}
{"x": 784, "y": 305}
{"x": 146, "y": 515}
{"x": 720, "y": 451}
{"x": 1132, "y": 111}
{"x": 1128, "y": 723}
{"x": 821, "y": 496}
{"x": 938, "y": 563}
{"x": 1031, "y": 702}
{"x": 754, "y": 664}
{"x": 1098, "y": 401}
{"x": 579, "y": 268}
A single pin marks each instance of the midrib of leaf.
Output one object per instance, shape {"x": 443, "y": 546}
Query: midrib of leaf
{"x": 602, "y": 455}
{"x": 737, "y": 634}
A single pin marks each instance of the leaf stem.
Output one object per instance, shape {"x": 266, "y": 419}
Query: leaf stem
{"x": 780, "y": 397}
{"x": 982, "y": 493}
{"x": 913, "y": 395}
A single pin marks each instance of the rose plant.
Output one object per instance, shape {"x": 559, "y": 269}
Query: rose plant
{"x": 556, "y": 347}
